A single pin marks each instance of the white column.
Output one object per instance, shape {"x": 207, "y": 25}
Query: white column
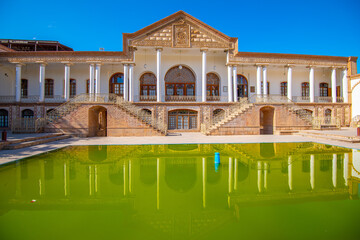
{"x": 131, "y": 82}
{"x": 18, "y": 83}
{"x": 334, "y": 170}
{"x": 158, "y": 183}
{"x": 290, "y": 182}
{"x": 126, "y": 87}
{"x": 289, "y": 82}
{"x": 67, "y": 82}
{"x": 158, "y": 74}
{"x": 345, "y": 86}
{"x": 346, "y": 168}
{"x": 312, "y": 84}
{"x": 333, "y": 84}
{"x": 203, "y": 76}
{"x": 258, "y": 80}
{"x": 235, "y": 173}
{"x": 312, "y": 171}
{"x": 230, "y": 88}
{"x": 97, "y": 78}
{"x": 264, "y": 80}
{"x": 91, "y": 80}
{"x": 235, "y": 83}
{"x": 42, "y": 82}
{"x": 266, "y": 169}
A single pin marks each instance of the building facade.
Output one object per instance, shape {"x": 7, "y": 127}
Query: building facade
{"x": 177, "y": 74}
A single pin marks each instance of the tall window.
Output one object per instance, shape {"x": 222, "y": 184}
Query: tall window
{"x": 283, "y": 88}
{"x": 4, "y": 118}
{"x": 49, "y": 88}
{"x": 88, "y": 86}
{"x": 324, "y": 90}
{"x": 212, "y": 84}
{"x": 72, "y": 87}
{"x": 180, "y": 81}
{"x": 268, "y": 88}
{"x": 116, "y": 84}
{"x": 27, "y": 113}
{"x": 305, "y": 89}
{"x": 148, "y": 84}
{"x": 242, "y": 86}
{"x": 24, "y": 88}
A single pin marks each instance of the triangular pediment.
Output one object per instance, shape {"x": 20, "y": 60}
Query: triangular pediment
{"x": 180, "y": 30}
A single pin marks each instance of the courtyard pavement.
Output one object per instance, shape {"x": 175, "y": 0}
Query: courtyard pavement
{"x": 7, "y": 156}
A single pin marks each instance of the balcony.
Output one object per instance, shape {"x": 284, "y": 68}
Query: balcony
{"x": 301, "y": 99}
{"x": 147, "y": 98}
{"x": 180, "y": 98}
{"x": 33, "y": 99}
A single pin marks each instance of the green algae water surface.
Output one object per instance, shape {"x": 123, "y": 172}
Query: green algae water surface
{"x": 258, "y": 191}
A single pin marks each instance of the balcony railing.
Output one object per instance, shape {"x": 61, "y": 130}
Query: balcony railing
{"x": 323, "y": 99}
{"x": 272, "y": 98}
{"x": 180, "y": 98}
{"x": 301, "y": 99}
{"x": 147, "y": 98}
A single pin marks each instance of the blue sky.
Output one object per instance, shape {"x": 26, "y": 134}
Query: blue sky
{"x": 304, "y": 27}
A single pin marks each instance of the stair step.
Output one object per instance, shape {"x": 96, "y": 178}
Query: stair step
{"x": 331, "y": 137}
{"x": 34, "y": 138}
{"x": 35, "y": 142}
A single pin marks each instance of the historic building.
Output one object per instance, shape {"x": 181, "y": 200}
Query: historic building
{"x": 178, "y": 74}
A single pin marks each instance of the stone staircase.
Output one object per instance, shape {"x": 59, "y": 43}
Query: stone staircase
{"x": 232, "y": 112}
{"x": 32, "y": 141}
{"x": 131, "y": 109}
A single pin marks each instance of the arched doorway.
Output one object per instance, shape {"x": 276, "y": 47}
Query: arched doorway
{"x": 116, "y": 84}
{"x": 180, "y": 84}
{"x": 182, "y": 120}
{"x": 327, "y": 117}
{"x": 212, "y": 87}
{"x": 148, "y": 87}
{"x": 242, "y": 86}
{"x": 267, "y": 120}
{"x": 97, "y": 122}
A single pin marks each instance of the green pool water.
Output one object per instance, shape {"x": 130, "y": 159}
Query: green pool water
{"x": 259, "y": 191}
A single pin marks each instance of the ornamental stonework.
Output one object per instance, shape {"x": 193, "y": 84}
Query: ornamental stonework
{"x": 200, "y": 38}
{"x": 181, "y": 35}
{"x": 162, "y": 37}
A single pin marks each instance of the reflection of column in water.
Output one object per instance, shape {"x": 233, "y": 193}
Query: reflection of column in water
{"x": 259, "y": 172}
{"x": 204, "y": 181}
{"x": 18, "y": 179}
{"x": 235, "y": 173}
{"x": 130, "y": 182}
{"x": 334, "y": 168}
{"x": 90, "y": 181}
{"x": 266, "y": 169}
{"x": 158, "y": 183}
{"x": 346, "y": 168}
{"x": 95, "y": 179}
{"x": 42, "y": 178}
{"x": 125, "y": 178}
{"x": 230, "y": 174}
{"x": 66, "y": 179}
{"x": 290, "y": 173}
{"x": 312, "y": 171}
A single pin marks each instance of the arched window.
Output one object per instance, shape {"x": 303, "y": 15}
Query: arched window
{"x": 305, "y": 89}
{"x": 179, "y": 81}
{"x": 283, "y": 88}
{"x": 324, "y": 90}
{"x": 183, "y": 119}
{"x": 4, "y": 118}
{"x": 24, "y": 88}
{"x": 148, "y": 84}
{"x": 116, "y": 84}
{"x": 212, "y": 86}
{"x": 49, "y": 88}
{"x": 242, "y": 86}
{"x": 327, "y": 116}
{"x": 72, "y": 87}
{"x": 27, "y": 113}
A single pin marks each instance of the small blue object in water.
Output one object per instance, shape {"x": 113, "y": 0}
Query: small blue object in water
{"x": 217, "y": 167}
{"x": 217, "y": 157}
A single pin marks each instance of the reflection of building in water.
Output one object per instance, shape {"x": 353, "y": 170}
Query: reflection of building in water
{"x": 157, "y": 183}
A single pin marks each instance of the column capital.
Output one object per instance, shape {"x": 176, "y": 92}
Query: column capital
{"x": 204, "y": 49}
{"x": 19, "y": 64}
{"x": 42, "y": 63}
{"x": 126, "y": 64}
{"x": 310, "y": 66}
{"x": 289, "y": 65}
{"x": 68, "y": 64}
{"x": 159, "y": 49}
